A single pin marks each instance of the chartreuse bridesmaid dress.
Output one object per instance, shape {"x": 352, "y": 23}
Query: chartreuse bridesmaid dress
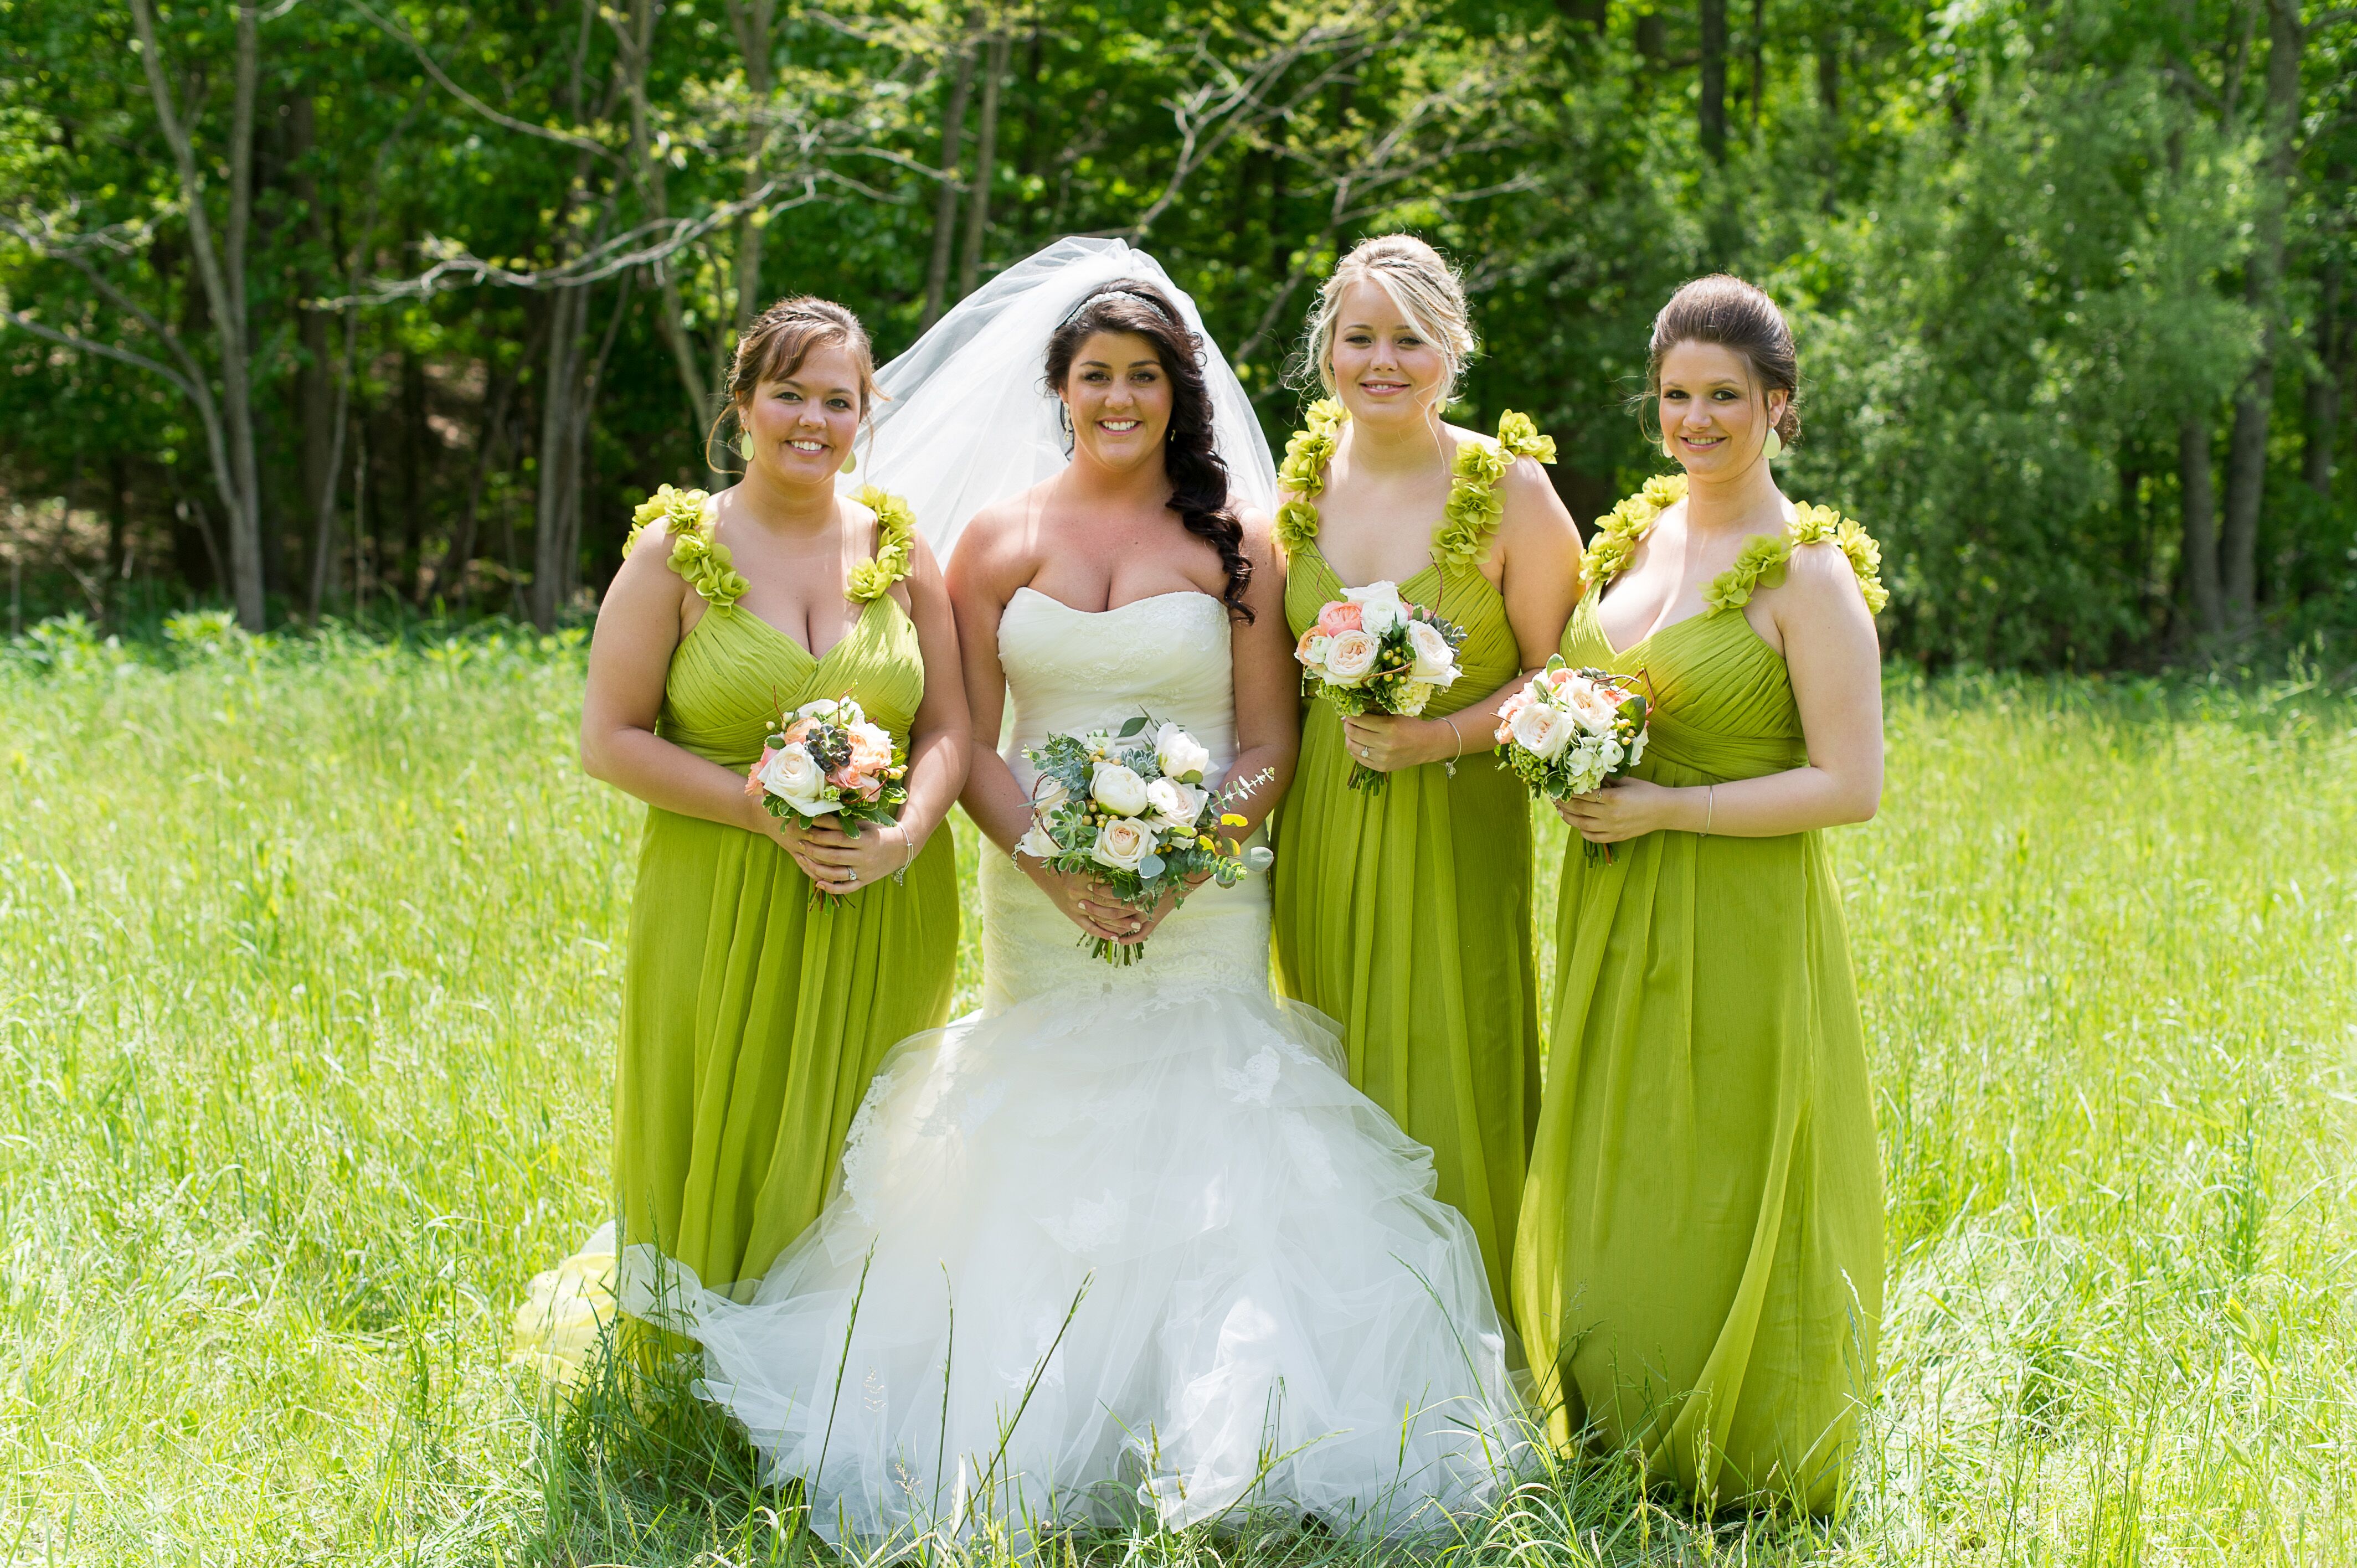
{"x": 1404, "y": 915}
{"x": 1699, "y": 1271}
{"x": 753, "y": 1017}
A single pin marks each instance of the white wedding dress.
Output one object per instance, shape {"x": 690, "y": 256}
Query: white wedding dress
{"x": 1126, "y": 1240}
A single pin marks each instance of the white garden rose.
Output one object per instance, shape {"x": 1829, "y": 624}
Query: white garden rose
{"x": 1436, "y": 661}
{"x": 1121, "y": 843}
{"x": 793, "y": 776}
{"x": 1351, "y": 657}
{"x": 1172, "y": 805}
{"x": 821, "y": 708}
{"x": 1542, "y": 731}
{"x": 1380, "y": 609}
{"x": 1038, "y": 843}
{"x": 1182, "y": 756}
{"x": 1118, "y": 788}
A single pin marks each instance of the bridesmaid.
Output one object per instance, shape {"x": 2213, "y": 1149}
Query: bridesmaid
{"x": 1700, "y": 1272}
{"x": 753, "y": 1013}
{"x": 1404, "y": 915}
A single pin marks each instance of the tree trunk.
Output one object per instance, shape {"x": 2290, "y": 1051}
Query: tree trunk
{"x": 559, "y": 390}
{"x": 221, "y": 272}
{"x": 1758, "y": 59}
{"x": 754, "y": 22}
{"x": 937, "y": 269}
{"x": 2200, "y": 507}
{"x": 1710, "y": 111}
{"x": 985, "y": 164}
{"x": 2247, "y": 454}
{"x": 2323, "y": 399}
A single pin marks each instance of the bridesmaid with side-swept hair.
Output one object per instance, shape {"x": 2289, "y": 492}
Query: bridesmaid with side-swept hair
{"x": 1700, "y": 1269}
{"x": 1404, "y": 914}
{"x": 754, "y": 1010}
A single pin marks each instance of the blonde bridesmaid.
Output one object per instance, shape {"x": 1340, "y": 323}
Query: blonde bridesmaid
{"x": 1404, "y": 914}
{"x": 1700, "y": 1269}
{"x": 754, "y": 1012}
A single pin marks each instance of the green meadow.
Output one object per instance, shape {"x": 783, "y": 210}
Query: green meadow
{"x": 309, "y": 967}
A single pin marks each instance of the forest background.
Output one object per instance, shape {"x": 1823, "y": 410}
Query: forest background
{"x": 373, "y": 307}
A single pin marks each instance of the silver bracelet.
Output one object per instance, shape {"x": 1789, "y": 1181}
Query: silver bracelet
{"x": 1709, "y": 805}
{"x": 907, "y": 855}
{"x": 1450, "y": 766}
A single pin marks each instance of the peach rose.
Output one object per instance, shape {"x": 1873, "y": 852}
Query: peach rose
{"x": 1342, "y": 615}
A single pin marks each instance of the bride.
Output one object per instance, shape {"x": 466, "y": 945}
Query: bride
{"x": 1125, "y": 1241}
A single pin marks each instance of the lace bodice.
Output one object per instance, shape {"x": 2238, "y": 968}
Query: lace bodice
{"x": 1072, "y": 670}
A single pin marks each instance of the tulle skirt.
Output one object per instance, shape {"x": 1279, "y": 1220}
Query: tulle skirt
{"x": 1111, "y": 1252}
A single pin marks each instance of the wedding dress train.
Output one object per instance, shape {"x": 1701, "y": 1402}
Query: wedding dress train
{"x": 1126, "y": 1240}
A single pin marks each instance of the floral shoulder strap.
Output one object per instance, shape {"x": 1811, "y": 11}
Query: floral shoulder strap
{"x": 896, "y": 528}
{"x": 705, "y": 562}
{"x": 1762, "y": 558}
{"x": 685, "y": 517}
{"x": 1466, "y": 521}
{"x": 1474, "y": 506}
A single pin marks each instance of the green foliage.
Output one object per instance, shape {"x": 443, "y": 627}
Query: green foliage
{"x": 2023, "y": 245}
{"x": 309, "y": 969}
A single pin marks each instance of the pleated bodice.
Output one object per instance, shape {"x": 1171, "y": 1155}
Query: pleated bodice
{"x": 734, "y": 673}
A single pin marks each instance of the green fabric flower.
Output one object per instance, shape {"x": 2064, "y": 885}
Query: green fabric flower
{"x": 896, "y": 527}
{"x": 1764, "y": 557}
{"x": 1302, "y": 475}
{"x": 1620, "y": 531}
{"x": 695, "y": 555}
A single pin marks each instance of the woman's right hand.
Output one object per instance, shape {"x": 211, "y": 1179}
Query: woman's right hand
{"x": 1086, "y": 902}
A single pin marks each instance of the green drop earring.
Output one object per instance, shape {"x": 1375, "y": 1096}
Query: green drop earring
{"x": 744, "y": 445}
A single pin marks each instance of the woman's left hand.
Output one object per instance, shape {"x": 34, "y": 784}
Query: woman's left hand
{"x": 1389, "y": 743}
{"x": 1624, "y": 808}
{"x": 840, "y": 865}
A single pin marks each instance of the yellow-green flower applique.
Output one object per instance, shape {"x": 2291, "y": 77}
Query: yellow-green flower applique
{"x": 696, "y": 554}
{"x": 896, "y": 528}
{"x": 1620, "y": 531}
{"x": 1302, "y": 475}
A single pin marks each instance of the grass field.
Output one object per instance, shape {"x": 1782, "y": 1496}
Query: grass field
{"x": 308, "y": 974}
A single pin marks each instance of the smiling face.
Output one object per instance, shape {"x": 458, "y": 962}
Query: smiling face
{"x": 804, "y": 423}
{"x": 1119, "y": 397}
{"x": 1711, "y": 409}
{"x": 1384, "y": 367}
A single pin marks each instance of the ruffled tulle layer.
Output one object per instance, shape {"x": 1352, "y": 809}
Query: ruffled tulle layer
{"x": 1095, "y": 1259}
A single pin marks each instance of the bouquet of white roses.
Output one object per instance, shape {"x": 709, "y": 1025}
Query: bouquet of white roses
{"x": 1569, "y": 730}
{"x": 825, "y": 758}
{"x": 1131, "y": 810}
{"x": 1373, "y": 651}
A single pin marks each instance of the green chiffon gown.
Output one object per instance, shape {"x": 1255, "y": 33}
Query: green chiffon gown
{"x": 751, "y": 1020}
{"x": 1404, "y": 916}
{"x": 1699, "y": 1271}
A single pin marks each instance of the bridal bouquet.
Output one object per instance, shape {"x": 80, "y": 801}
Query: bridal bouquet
{"x": 826, "y": 757}
{"x": 1373, "y": 651}
{"x": 1569, "y": 730}
{"x": 1131, "y": 810}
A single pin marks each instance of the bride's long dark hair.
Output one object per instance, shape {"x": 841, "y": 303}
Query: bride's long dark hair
{"x": 1199, "y": 479}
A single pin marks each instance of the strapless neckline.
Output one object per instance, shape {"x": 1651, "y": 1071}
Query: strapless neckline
{"x": 1115, "y": 609}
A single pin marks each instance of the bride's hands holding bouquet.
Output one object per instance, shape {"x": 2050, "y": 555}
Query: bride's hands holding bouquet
{"x": 1085, "y": 901}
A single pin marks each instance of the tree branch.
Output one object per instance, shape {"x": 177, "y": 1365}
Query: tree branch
{"x": 563, "y": 138}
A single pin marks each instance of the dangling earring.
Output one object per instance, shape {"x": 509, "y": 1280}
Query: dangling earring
{"x": 1667, "y": 450}
{"x": 744, "y": 445}
{"x": 850, "y": 461}
{"x": 1772, "y": 445}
